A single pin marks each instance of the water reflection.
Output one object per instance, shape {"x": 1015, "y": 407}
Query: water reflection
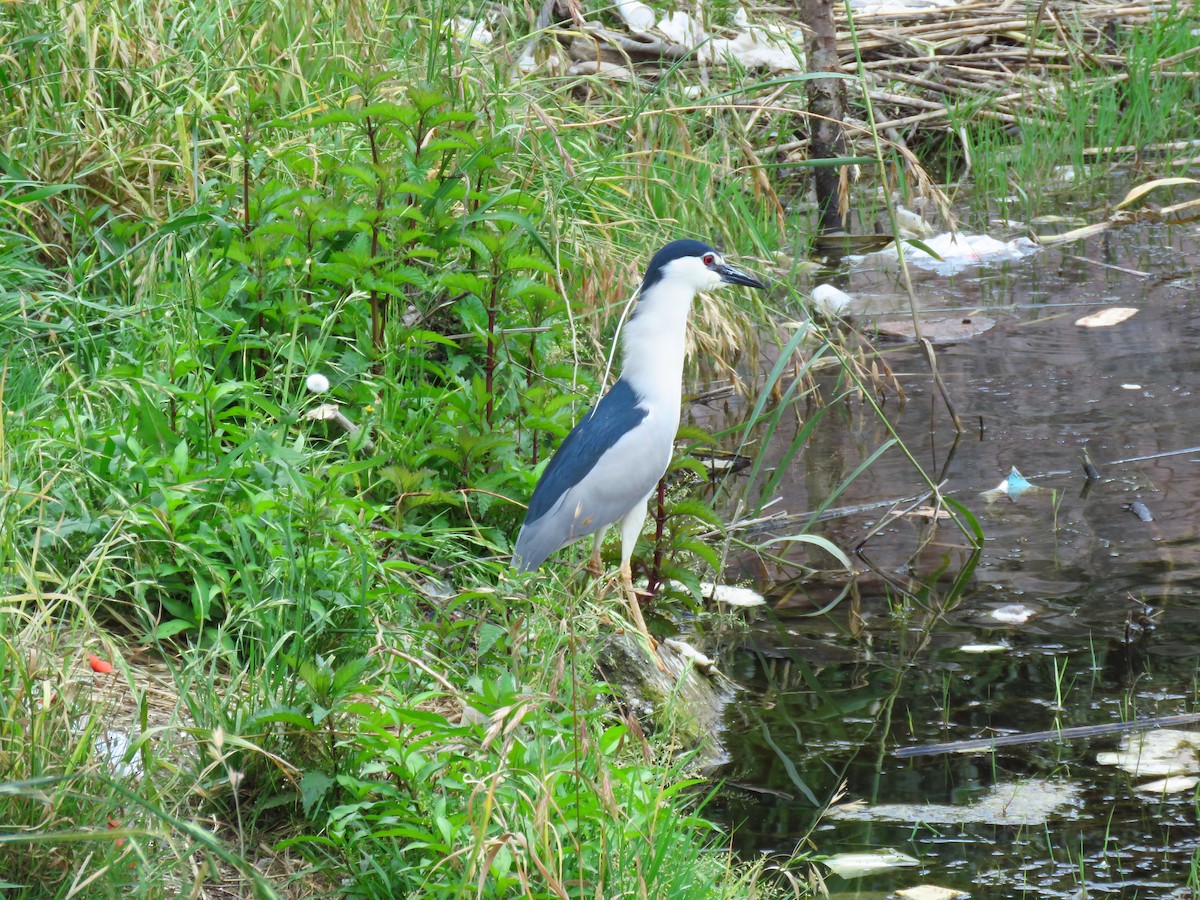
{"x": 1114, "y": 601}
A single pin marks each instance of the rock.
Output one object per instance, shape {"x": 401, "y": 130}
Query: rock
{"x": 682, "y": 701}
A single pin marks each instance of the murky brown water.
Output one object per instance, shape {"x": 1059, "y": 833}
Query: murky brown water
{"x": 830, "y": 698}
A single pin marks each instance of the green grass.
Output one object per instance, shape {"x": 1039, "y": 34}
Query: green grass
{"x": 1096, "y": 120}
{"x": 318, "y": 656}
{"x": 331, "y": 684}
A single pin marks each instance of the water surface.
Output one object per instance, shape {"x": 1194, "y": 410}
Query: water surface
{"x": 1111, "y": 602}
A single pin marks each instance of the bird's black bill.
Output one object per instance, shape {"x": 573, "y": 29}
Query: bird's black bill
{"x": 736, "y": 276}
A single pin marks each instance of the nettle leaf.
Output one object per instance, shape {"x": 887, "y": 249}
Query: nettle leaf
{"x": 389, "y": 111}
{"x": 313, "y": 788}
{"x": 529, "y": 261}
{"x": 455, "y": 116}
{"x": 472, "y": 313}
{"x": 360, "y": 173}
{"x": 281, "y": 227}
{"x": 280, "y": 715}
{"x": 527, "y": 289}
{"x": 462, "y": 283}
{"x": 336, "y": 117}
{"x": 699, "y": 548}
{"x": 693, "y": 465}
{"x": 456, "y": 141}
{"x": 392, "y": 283}
{"x": 489, "y": 635}
{"x": 697, "y": 509}
{"x": 417, "y": 188}
{"x": 428, "y": 337}
{"x": 172, "y": 627}
{"x": 423, "y": 101}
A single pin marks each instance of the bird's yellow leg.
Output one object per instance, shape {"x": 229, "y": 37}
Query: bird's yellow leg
{"x": 595, "y": 566}
{"x": 635, "y": 612}
{"x": 635, "y": 606}
{"x": 631, "y": 527}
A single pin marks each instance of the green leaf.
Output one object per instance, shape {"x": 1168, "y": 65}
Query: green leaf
{"x": 171, "y": 628}
{"x": 699, "y": 510}
{"x": 285, "y": 715}
{"x": 313, "y": 787}
{"x": 489, "y": 634}
{"x": 39, "y": 194}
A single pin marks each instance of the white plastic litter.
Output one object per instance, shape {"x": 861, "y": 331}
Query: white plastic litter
{"x": 957, "y": 252}
{"x": 983, "y": 648}
{"x": 930, "y": 892}
{"x": 680, "y": 28}
{"x": 855, "y": 865}
{"x": 1012, "y": 614}
{"x": 472, "y": 30}
{"x": 1165, "y": 752}
{"x": 1176, "y": 784}
{"x": 896, "y": 7}
{"x": 755, "y": 47}
{"x": 831, "y": 302}
{"x": 112, "y": 746}
{"x": 600, "y": 67}
{"x": 1106, "y": 318}
{"x": 912, "y": 224}
{"x": 638, "y": 16}
{"x": 731, "y": 595}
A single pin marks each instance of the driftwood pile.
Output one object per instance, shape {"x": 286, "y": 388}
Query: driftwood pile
{"x": 1003, "y": 51}
{"x": 999, "y": 54}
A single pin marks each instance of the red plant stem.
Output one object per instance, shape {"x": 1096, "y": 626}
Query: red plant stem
{"x": 660, "y": 525}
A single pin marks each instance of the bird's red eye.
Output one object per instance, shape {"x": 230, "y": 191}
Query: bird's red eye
{"x": 709, "y": 259}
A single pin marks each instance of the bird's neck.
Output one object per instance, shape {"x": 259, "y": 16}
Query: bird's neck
{"x": 654, "y": 345}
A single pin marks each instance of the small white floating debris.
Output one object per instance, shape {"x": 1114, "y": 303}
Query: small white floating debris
{"x": 831, "y": 302}
{"x": 1012, "y": 614}
{"x": 688, "y": 653}
{"x": 1176, "y": 784}
{"x": 1114, "y": 315}
{"x": 1131, "y": 387}
{"x": 930, "y": 892}
{"x": 1164, "y": 752}
{"x": 983, "y": 648}
{"x": 928, "y": 512}
{"x": 730, "y": 595}
{"x": 1012, "y": 487}
{"x": 855, "y": 865}
{"x": 912, "y": 224}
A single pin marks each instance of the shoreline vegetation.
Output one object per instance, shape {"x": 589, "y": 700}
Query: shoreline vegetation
{"x": 296, "y": 299}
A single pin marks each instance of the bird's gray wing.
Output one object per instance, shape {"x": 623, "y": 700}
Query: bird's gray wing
{"x": 595, "y": 434}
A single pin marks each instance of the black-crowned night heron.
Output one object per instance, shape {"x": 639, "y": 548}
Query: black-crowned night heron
{"x": 608, "y": 466}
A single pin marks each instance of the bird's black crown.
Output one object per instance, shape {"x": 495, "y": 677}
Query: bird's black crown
{"x": 673, "y": 251}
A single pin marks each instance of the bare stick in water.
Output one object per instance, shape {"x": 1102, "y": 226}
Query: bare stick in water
{"x": 1056, "y": 734}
